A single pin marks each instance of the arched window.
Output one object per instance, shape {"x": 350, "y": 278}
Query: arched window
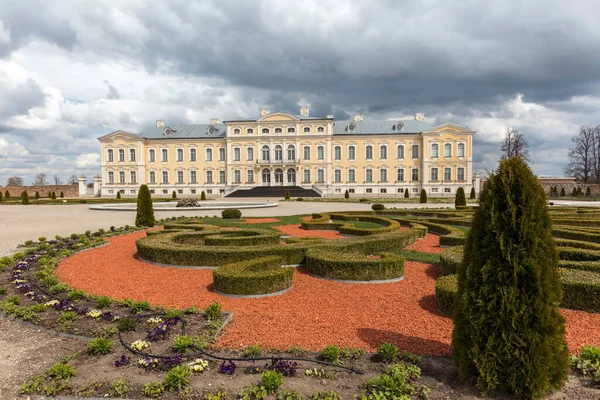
{"x": 179, "y": 176}
{"x": 320, "y": 129}
{"x": 383, "y": 152}
{"x": 306, "y": 151}
{"x": 400, "y": 151}
{"x": 152, "y": 176}
{"x": 306, "y": 129}
{"x": 237, "y": 176}
{"x": 461, "y": 150}
{"x": 291, "y": 153}
{"x": 121, "y": 155}
{"x": 337, "y": 175}
{"x": 351, "y": 175}
{"x": 447, "y": 174}
{"x": 415, "y": 151}
{"x": 447, "y": 150}
{"x": 209, "y": 155}
{"x": 368, "y": 175}
{"x": 250, "y": 154}
{"x": 221, "y": 154}
{"x": 193, "y": 155}
{"x": 164, "y": 155}
{"x": 131, "y": 155}
{"x": 111, "y": 177}
{"x": 369, "y": 152}
{"x": 180, "y": 155}
{"x": 266, "y": 156}
{"x": 250, "y": 130}
{"x": 265, "y": 130}
{"x": 237, "y": 154}
{"x": 111, "y": 155}
{"x": 291, "y": 130}
{"x": 351, "y": 152}
{"x": 291, "y": 176}
{"x": 435, "y": 153}
{"x": 236, "y": 131}
{"x": 278, "y": 153}
{"x": 383, "y": 175}
{"x": 193, "y": 177}
{"x": 434, "y": 174}
{"x": 460, "y": 174}
{"x": 320, "y": 152}
{"x": 337, "y": 153}
{"x": 277, "y": 130}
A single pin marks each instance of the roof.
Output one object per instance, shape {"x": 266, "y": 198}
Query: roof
{"x": 376, "y": 127}
{"x": 196, "y": 131}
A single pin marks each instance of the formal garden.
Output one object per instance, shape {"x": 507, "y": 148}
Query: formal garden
{"x": 323, "y": 306}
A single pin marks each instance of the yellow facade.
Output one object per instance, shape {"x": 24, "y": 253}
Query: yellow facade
{"x": 381, "y": 158}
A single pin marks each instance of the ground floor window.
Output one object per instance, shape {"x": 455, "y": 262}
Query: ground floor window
{"x": 338, "y": 190}
{"x": 400, "y": 190}
{"x": 209, "y": 191}
{"x": 369, "y": 190}
{"x": 415, "y": 190}
{"x": 434, "y": 190}
{"x": 180, "y": 191}
{"x": 193, "y": 191}
{"x": 165, "y": 191}
{"x": 306, "y": 175}
{"x": 152, "y": 191}
{"x": 110, "y": 191}
{"x": 351, "y": 191}
{"x": 447, "y": 190}
{"x": 250, "y": 176}
{"x": 382, "y": 190}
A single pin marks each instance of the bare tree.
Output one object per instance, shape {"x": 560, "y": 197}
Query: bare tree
{"x": 57, "y": 180}
{"x": 73, "y": 179}
{"x": 41, "y": 179}
{"x": 14, "y": 181}
{"x": 583, "y": 157}
{"x": 515, "y": 145}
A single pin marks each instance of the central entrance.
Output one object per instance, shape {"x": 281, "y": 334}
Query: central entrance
{"x": 266, "y": 177}
{"x": 279, "y": 177}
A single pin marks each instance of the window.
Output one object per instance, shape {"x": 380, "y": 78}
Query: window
{"x": 291, "y": 130}
{"x": 415, "y": 151}
{"x": 152, "y": 176}
{"x": 278, "y": 130}
{"x": 434, "y": 190}
{"x": 400, "y": 190}
{"x": 221, "y": 154}
{"x": 447, "y": 190}
{"x": 320, "y": 129}
{"x": 180, "y": 191}
{"x": 152, "y": 155}
{"x": 131, "y": 155}
{"x": 434, "y": 174}
{"x": 291, "y": 153}
{"x": 221, "y": 176}
{"x": 208, "y": 191}
{"x": 237, "y": 154}
{"x": 179, "y": 155}
{"x": 165, "y": 177}
{"x": 415, "y": 190}
{"x": 307, "y": 152}
{"x": 401, "y": 151}
{"x": 250, "y": 176}
{"x": 306, "y": 175}
{"x": 383, "y": 152}
{"x": 415, "y": 174}
{"x": 193, "y": 155}
{"x": 237, "y": 176}
{"x": 193, "y": 177}
{"x": 369, "y": 175}
{"x": 250, "y": 131}
{"x": 435, "y": 150}
{"x": 337, "y": 175}
{"x": 447, "y": 174}
{"x": 209, "y": 177}
{"x": 265, "y": 130}
{"x": 320, "y": 152}
{"x": 291, "y": 176}
{"x": 152, "y": 191}
{"x": 121, "y": 155}
{"x": 460, "y": 174}
{"x": 306, "y": 129}
{"x": 369, "y": 153}
{"x": 111, "y": 177}
{"x": 351, "y": 175}
{"x": 111, "y": 155}
{"x": 320, "y": 176}
{"x": 400, "y": 175}
{"x": 278, "y": 153}
{"x": 132, "y": 177}
{"x": 351, "y": 153}
{"x": 165, "y": 155}
{"x": 461, "y": 150}
{"x": 337, "y": 152}
{"x": 165, "y": 191}
{"x": 265, "y": 153}
{"x": 383, "y": 190}
{"x": 193, "y": 191}
{"x": 383, "y": 175}
{"x": 250, "y": 154}
{"x": 236, "y": 131}
{"x": 179, "y": 176}
{"x": 208, "y": 155}
{"x": 447, "y": 150}
{"x": 351, "y": 191}
{"x": 369, "y": 190}
{"x": 121, "y": 177}
{"x": 132, "y": 191}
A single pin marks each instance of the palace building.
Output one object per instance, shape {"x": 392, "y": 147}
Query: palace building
{"x": 318, "y": 154}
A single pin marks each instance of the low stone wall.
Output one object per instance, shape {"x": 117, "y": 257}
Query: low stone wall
{"x": 68, "y": 190}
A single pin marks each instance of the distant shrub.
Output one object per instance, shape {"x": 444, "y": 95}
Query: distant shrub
{"x": 378, "y": 207}
{"x": 423, "y": 198}
{"x": 406, "y": 194}
{"x": 231, "y": 213}
{"x": 24, "y": 198}
{"x": 287, "y": 194}
{"x": 299, "y": 199}
{"x": 174, "y": 195}
{"x": 37, "y": 195}
{"x": 62, "y": 195}
{"x": 118, "y": 194}
{"x": 53, "y": 196}
{"x": 588, "y": 192}
{"x": 460, "y": 199}
{"x": 473, "y": 195}
{"x": 562, "y": 192}
{"x": 346, "y": 194}
{"x": 203, "y": 195}
{"x": 145, "y": 209}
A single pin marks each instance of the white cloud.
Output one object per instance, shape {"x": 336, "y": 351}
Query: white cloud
{"x": 88, "y": 160}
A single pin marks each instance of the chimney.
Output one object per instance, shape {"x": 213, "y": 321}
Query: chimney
{"x": 214, "y": 121}
{"x": 304, "y": 111}
{"x": 160, "y": 123}
{"x": 358, "y": 117}
{"x": 419, "y": 116}
{"x": 330, "y": 116}
{"x": 264, "y": 111}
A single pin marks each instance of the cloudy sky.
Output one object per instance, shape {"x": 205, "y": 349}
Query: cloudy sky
{"x": 73, "y": 70}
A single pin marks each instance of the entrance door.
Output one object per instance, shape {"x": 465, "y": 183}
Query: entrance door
{"x": 266, "y": 177}
{"x": 291, "y": 175}
{"x": 279, "y": 177}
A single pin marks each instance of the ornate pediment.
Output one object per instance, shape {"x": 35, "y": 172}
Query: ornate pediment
{"x": 278, "y": 116}
{"x": 120, "y": 135}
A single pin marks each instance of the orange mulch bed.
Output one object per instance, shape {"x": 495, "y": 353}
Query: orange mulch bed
{"x": 296, "y": 230}
{"x": 312, "y": 314}
{"x": 429, "y": 244}
{"x": 259, "y": 220}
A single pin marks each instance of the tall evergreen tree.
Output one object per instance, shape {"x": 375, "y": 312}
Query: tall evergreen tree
{"x": 472, "y": 195}
{"x": 346, "y": 194}
{"x": 460, "y": 199}
{"x": 7, "y": 195}
{"x": 562, "y": 192}
{"x": 24, "y": 197}
{"x": 423, "y": 198}
{"x": 174, "y": 195}
{"x": 145, "y": 209}
{"x": 53, "y": 196}
{"x": 406, "y": 194}
{"x": 118, "y": 194}
{"x": 574, "y": 192}
{"x": 0, "y": 196}
{"x": 37, "y": 195}
{"x": 287, "y": 194}
{"x": 588, "y": 192}
{"x": 508, "y": 331}
{"x": 203, "y": 196}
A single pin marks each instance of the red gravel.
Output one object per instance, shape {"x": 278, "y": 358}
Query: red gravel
{"x": 296, "y": 230}
{"x": 429, "y": 244}
{"x": 259, "y": 220}
{"x": 314, "y": 313}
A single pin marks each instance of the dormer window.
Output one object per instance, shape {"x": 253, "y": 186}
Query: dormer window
{"x": 320, "y": 129}
{"x": 351, "y": 127}
{"x": 399, "y": 126}
{"x": 236, "y": 131}
{"x": 291, "y": 130}
{"x": 168, "y": 131}
{"x": 265, "y": 130}
{"x": 306, "y": 129}
{"x": 211, "y": 129}
{"x": 278, "y": 130}
{"x": 250, "y": 130}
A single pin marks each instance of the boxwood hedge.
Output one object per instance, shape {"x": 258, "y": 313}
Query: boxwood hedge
{"x": 254, "y": 277}
{"x": 450, "y": 260}
{"x": 446, "y": 288}
{"x": 335, "y": 263}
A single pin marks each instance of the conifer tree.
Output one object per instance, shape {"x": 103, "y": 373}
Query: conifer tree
{"x": 6, "y": 195}
{"x": 53, "y": 196}
{"x": 406, "y": 194}
{"x": 174, "y": 195}
{"x": 472, "y": 195}
{"x": 37, "y": 195}
{"x": 118, "y": 194}
{"x": 508, "y": 331}
{"x": 287, "y": 194}
{"x": 62, "y": 195}
{"x": 203, "y": 196}
{"x": 460, "y": 199}
{"x": 423, "y": 198}
{"x": 0, "y": 196}
{"x": 588, "y": 192}
{"x": 145, "y": 209}
{"x": 24, "y": 197}
{"x": 574, "y": 192}
{"x": 346, "y": 194}
{"x": 562, "y": 192}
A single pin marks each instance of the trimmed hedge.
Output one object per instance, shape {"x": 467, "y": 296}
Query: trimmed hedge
{"x": 449, "y": 236}
{"x": 231, "y": 213}
{"x": 446, "y": 288}
{"x": 593, "y": 266}
{"x": 578, "y": 254}
{"x": 450, "y": 260}
{"x": 564, "y": 233}
{"x": 335, "y": 263}
{"x": 254, "y": 277}
{"x": 577, "y": 244}
{"x": 245, "y": 237}
{"x": 322, "y": 222}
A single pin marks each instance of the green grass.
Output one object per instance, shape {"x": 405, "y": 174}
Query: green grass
{"x": 465, "y": 229}
{"x": 289, "y": 220}
{"x": 419, "y": 256}
{"x": 365, "y": 224}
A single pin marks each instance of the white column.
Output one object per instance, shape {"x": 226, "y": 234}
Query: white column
{"x": 97, "y": 185}
{"x": 82, "y": 186}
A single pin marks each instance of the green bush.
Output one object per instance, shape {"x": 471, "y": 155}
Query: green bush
{"x": 460, "y": 199}
{"x": 581, "y": 290}
{"x": 177, "y": 378}
{"x": 118, "y": 194}
{"x": 252, "y": 351}
{"x": 299, "y": 199}
{"x": 588, "y": 192}
{"x": 574, "y": 192}
{"x": 182, "y": 343}
{"x": 473, "y": 195}
{"x": 231, "y": 213}
{"x": 508, "y": 331}
{"x": 331, "y": 354}
{"x": 213, "y": 311}
{"x": 37, "y": 195}
{"x": 445, "y": 293}
{"x": 562, "y": 192}
{"x": 0, "y": 196}
{"x": 203, "y": 195}
{"x": 145, "y": 209}
{"x": 174, "y": 195}
{"x": 61, "y": 370}
{"x": 126, "y": 324}
{"x": 253, "y": 392}
{"x": 287, "y": 194}
{"x": 7, "y": 194}
{"x": 397, "y": 382}
{"x": 423, "y": 198}
{"x": 406, "y": 194}
{"x": 24, "y": 197}
{"x": 259, "y": 276}
{"x": 346, "y": 194}
{"x": 378, "y": 207}
{"x": 62, "y": 195}
{"x": 153, "y": 389}
{"x": 271, "y": 380}
{"x": 53, "y": 196}
{"x": 99, "y": 346}
{"x": 338, "y": 263}
{"x": 387, "y": 352}
{"x": 450, "y": 260}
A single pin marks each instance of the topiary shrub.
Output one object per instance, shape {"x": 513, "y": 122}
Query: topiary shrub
{"x": 255, "y": 277}
{"x": 287, "y": 194}
{"x": 53, "y": 196}
{"x": 378, "y": 207}
{"x": 203, "y": 196}
{"x": 231, "y": 213}
{"x": 473, "y": 195}
{"x": 6, "y": 195}
{"x": 118, "y": 194}
{"x": 346, "y": 194}
{"x": 574, "y": 192}
{"x": 145, "y": 209}
{"x": 460, "y": 199}
{"x": 24, "y": 197}
{"x": 406, "y": 194}
{"x": 508, "y": 332}
{"x": 445, "y": 294}
{"x": 562, "y": 192}
{"x": 423, "y": 198}
{"x": 62, "y": 195}
{"x": 174, "y": 195}
{"x": 0, "y": 196}
{"x": 37, "y": 195}
{"x": 588, "y": 192}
